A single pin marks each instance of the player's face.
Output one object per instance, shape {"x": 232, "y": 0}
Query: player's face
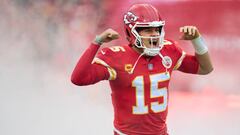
{"x": 150, "y": 32}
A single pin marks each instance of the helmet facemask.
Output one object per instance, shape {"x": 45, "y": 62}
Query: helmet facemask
{"x": 155, "y": 42}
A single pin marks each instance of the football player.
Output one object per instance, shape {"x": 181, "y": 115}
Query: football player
{"x": 139, "y": 73}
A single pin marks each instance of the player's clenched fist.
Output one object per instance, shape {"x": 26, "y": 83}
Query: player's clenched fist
{"x": 106, "y": 36}
{"x": 189, "y": 32}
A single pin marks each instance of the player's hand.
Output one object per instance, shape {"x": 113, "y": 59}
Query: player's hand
{"x": 189, "y": 32}
{"x": 108, "y": 35}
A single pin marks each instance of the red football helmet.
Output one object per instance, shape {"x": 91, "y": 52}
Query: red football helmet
{"x": 143, "y": 15}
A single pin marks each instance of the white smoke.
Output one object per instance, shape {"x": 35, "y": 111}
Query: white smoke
{"x": 40, "y": 43}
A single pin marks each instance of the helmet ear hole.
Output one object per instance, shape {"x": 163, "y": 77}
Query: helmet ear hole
{"x": 138, "y": 43}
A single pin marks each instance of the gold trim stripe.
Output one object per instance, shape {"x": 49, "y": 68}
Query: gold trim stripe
{"x": 167, "y": 42}
{"x": 179, "y": 62}
{"x": 112, "y": 72}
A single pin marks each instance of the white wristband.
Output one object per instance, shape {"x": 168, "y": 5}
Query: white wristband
{"x": 199, "y": 45}
{"x": 98, "y": 40}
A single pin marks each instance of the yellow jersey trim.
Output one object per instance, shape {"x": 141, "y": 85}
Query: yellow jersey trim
{"x": 179, "y": 62}
{"x": 112, "y": 72}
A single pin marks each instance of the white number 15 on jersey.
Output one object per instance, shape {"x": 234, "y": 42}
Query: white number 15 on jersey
{"x": 155, "y": 92}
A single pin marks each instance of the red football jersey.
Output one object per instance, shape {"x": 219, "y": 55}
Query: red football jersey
{"x": 140, "y": 86}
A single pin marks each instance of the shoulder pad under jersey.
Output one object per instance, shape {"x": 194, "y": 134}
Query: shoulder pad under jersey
{"x": 168, "y": 42}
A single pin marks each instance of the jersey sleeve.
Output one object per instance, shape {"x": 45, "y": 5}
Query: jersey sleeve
{"x": 105, "y": 58}
{"x": 86, "y": 72}
{"x": 189, "y": 64}
{"x": 185, "y": 63}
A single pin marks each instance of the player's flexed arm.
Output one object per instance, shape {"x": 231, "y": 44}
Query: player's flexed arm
{"x": 202, "y": 56}
{"x": 85, "y": 72}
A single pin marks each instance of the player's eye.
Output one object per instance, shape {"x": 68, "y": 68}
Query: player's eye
{"x": 148, "y": 30}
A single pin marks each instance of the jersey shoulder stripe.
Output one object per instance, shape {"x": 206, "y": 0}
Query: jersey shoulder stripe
{"x": 179, "y": 62}
{"x": 112, "y": 72}
{"x": 167, "y": 42}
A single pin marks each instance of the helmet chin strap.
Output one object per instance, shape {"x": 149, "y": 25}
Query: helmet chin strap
{"x": 151, "y": 51}
{"x": 154, "y": 50}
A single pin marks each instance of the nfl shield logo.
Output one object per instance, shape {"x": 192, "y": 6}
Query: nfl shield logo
{"x": 150, "y": 66}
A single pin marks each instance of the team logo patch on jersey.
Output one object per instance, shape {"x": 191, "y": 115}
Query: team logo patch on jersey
{"x": 128, "y": 67}
{"x": 167, "y": 62}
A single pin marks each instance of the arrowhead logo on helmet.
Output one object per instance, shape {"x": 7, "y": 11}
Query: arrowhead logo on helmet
{"x": 129, "y": 18}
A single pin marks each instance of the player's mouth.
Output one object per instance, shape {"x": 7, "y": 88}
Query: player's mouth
{"x": 153, "y": 42}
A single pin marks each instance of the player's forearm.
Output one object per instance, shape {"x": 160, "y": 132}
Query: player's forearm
{"x": 205, "y": 64}
{"x": 202, "y": 55}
